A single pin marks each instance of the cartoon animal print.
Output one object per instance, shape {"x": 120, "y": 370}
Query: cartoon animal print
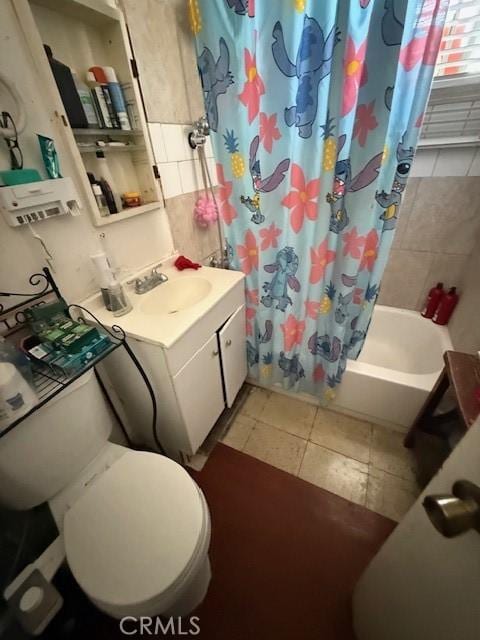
{"x": 285, "y": 267}
{"x": 313, "y": 63}
{"x": 242, "y": 7}
{"x": 341, "y": 312}
{"x": 388, "y": 97}
{"x": 391, "y": 201}
{"x": 261, "y": 185}
{"x": 292, "y": 368}
{"x": 216, "y": 78}
{"x": 344, "y": 183}
{"x": 252, "y": 354}
{"x": 266, "y": 336}
{"x": 262, "y": 338}
{"x": 393, "y": 22}
{"x": 332, "y": 381}
{"x": 328, "y": 348}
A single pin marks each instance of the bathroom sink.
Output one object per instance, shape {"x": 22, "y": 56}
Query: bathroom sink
{"x": 175, "y": 295}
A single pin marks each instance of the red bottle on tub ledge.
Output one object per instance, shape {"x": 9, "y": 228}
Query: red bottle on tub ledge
{"x": 447, "y": 305}
{"x": 434, "y": 298}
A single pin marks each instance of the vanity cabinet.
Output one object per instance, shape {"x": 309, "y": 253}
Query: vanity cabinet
{"x": 231, "y": 339}
{"x": 199, "y": 390}
{"x": 194, "y": 379}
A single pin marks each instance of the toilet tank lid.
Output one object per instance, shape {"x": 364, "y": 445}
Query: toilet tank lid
{"x": 134, "y": 532}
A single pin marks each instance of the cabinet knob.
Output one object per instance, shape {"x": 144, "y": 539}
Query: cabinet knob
{"x": 228, "y": 343}
{"x": 215, "y": 353}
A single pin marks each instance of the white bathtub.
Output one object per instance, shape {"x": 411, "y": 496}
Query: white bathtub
{"x": 398, "y": 366}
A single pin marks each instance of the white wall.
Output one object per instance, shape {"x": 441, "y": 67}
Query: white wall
{"x": 132, "y": 243}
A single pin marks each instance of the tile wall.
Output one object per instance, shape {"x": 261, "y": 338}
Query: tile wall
{"x": 437, "y": 228}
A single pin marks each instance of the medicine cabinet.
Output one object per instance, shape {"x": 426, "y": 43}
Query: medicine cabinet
{"x": 82, "y": 34}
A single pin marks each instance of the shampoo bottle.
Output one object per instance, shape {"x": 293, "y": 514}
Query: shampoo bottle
{"x": 446, "y": 307}
{"x": 118, "y": 98}
{"x": 434, "y": 298}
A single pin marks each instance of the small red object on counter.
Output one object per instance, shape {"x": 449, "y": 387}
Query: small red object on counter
{"x": 445, "y": 309}
{"x": 434, "y": 298}
{"x": 185, "y": 263}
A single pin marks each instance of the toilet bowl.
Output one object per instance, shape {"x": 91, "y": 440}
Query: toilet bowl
{"x": 136, "y": 540}
{"x": 135, "y": 525}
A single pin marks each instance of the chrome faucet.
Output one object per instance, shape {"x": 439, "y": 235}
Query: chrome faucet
{"x": 147, "y": 283}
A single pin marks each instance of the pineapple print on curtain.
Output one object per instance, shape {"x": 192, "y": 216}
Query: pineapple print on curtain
{"x": 315, "y": 110}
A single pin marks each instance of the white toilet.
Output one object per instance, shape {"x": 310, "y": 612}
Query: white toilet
{"x": 136, "y": 527}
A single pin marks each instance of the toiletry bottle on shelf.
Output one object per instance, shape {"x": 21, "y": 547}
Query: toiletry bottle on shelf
{"x": 101, "y": 78}
{"x": 118, "y": 98}
{"x": 434, "y": 298}
{"x": 99, "y": 101}
{"x": 106, "y": 175}
{"x": 446, "y": 307}
{"x": 68, "y": 92}
{"x": 86, "y": 100}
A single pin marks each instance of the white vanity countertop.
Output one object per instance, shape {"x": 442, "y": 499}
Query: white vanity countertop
{"x": 166, "y": 327}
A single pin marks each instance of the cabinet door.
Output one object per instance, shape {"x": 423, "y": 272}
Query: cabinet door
{"x": 198, "y": 387}
{"x": 234, "y": 356}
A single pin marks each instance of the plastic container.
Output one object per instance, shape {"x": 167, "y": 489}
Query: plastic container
{"x": 10, "y": 353}
{"x": 434, "y": 298}
{"x": 446, "y": 307}
{"x": 16, "y": 396}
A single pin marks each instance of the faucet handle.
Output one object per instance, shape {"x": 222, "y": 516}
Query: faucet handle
{"x": 156, "y": 267}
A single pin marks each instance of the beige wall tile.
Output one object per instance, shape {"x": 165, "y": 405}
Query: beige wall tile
{"x": 343, "y": 434}
{"x": 288, "y": 414}
{"x": 465, "y": 323}
{"x": 188, "y": 238}
{"x": 445, "y": 216}
{"x": 404, "y": 278}
{"x": 336, "y": 473}
{"x": 278, "y": 448}
{"x": 408, "y": 202}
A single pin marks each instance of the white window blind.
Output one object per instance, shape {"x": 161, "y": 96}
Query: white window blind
{"x": 453, "y": 113}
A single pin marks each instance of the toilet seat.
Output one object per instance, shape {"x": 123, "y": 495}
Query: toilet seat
{"x": 136, "y": 534}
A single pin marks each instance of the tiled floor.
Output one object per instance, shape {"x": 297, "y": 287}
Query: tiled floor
{"x": 360, "y": 461}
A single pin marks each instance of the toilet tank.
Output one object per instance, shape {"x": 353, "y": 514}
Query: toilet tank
{"x": 46, "y": 451}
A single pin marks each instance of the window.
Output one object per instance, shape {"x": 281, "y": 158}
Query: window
{"x": 453, "y": 113}
{"x": 460, "y": 47}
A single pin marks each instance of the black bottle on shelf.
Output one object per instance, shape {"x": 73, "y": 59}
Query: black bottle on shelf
{"x": 68, "y": 91}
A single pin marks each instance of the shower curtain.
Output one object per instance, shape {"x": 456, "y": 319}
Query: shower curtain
{"x": 315, "y": 109}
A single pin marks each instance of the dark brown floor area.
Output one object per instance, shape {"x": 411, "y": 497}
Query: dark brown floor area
{"x": 285, "y": 554}
{"x": 285, "y": 557}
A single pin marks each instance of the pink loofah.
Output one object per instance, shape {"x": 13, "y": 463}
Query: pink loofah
{"x": 205, "y": 211}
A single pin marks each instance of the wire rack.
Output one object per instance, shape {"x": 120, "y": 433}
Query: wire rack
{"x": 48, "y": 380}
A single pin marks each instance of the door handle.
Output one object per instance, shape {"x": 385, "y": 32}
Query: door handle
{"x": 228, "y": 343}
{"x": 215, "y": 353}
{"x": 457, "y": 512}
